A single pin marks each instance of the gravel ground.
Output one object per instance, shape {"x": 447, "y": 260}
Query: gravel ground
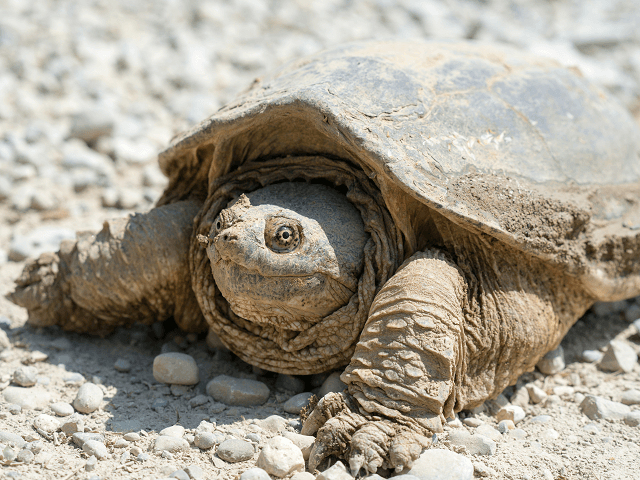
{"x": 91, "y": 91}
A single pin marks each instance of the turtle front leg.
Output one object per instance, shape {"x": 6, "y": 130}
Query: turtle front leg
{"x": 402, "y": 374}
{"x": 135, "y": 269}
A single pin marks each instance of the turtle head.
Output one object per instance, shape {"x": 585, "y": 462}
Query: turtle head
{"x": 288, "y": 254}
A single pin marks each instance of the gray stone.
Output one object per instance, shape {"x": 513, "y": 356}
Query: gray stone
{"x": 521, "y": 397}
{"x": 619, "y": 355}
{"x": 25, "y": 376}
{"x": 176, "y": 369}
{"x": 74, "y": 378}
{"x": 281, "y": 457}
{"x": 336, "y": 472}
{"x": 303, "y": 442}
{"x": 46, "y": 423}
{"x": 12, "y": 439}
{"x": 472, "y": 422}
{"x": 234, "y": 450}
{"x": 237, "y": 391}
{"x": 132, "y": 437}
{"x": 9, "y": 454}
{"x": 88, "y": 398}
{"x": 253, "y": 437}
{"x": 256, "y": 474}
{"x": 122, "y": 365}
{"x": 173, "y": 431}
{"x": 475, "y": 444}
{"x": 205, "y": 440}
{"x": 290, "y": 383}
{"x": 332, "y": 384}
{"x": 180, "y": 475}
{"x": 31, "y": 398}
{"x": 14, "y": 409}
{"x": 92, "y": 447}
{"x": 90, "y": 125}
{"x": 438, "y": 464}
{"x": 92, "y": 461}
{"x": 591, "y": 356}
{"x": 62, "y": 409}
{"x": 540, "y": 419}
{"x": 81, "y": 438}
{"x": 511, "y": 412}
{"x": 552, "y": 362}
{"x": 142, "y": 457}
{"x": 195, "y": 472}
{"x": 121, "y": 443}
{"x": 597, "y": 407}
{"x": 25, "y": 456}
{"x": 632, "y": 419}
{"x": 199, "y": 400}
{"x": 505, "y": 425}
{"x": 517, "y": 433}
{"x": 274, "y": 423}
{"x": 296, "y": 403}
{"x": 631, "y": 397}
{"x": 170, "y": 444}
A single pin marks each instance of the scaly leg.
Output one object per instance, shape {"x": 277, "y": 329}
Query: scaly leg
{"x": 135, "y": 269}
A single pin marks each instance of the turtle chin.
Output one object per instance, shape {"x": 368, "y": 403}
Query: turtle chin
{"x": 293, "y": 303}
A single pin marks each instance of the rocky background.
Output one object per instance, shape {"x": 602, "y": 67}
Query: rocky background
{"x": 91, "y": 91}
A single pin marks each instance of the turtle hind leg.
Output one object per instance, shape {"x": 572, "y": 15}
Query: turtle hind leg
{"x": 135, "y": 269}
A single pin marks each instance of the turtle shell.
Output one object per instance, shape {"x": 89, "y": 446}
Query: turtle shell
{"x": 494, "y": 139}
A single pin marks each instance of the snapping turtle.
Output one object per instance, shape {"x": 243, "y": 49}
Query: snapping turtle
{"x": 434, "y": 216}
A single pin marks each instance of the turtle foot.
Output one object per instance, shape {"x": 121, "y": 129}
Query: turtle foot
{"x": 366, "y": 442}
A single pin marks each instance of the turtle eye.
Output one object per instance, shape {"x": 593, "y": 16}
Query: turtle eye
{"x": 283, "y": 237}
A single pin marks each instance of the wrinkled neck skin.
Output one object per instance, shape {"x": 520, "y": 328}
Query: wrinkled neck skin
{"x": 288, "y": 254}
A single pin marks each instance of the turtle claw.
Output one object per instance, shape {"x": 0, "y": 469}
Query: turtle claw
{"x": 318, "y": 453}
{"x": 356, "y": 462}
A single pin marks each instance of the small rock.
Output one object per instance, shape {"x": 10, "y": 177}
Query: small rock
{"x": 563, "y": 390}
{"x": 253, "y": 437}
{"x": 303, "y": 442}
{"x": 194, "y": 471}
{"x": 135, "y": 451}
{"x": 124, "y": 457}
{"x": 552, "y": 362}
{"x": 88, "y": 399}
{"x": 336, "y": 472}
{"x": 549, "y": 434}
{"x": 46, "y": 423}
{"x": 234, "y": 450}
{"x": 290, "y": 383}
{"x": 122, "y": 365}
{"x": 552, "y": 400}
{"x": 511, "y": 412}
{"x": 578, "y": 398}
{"x": 199, "y": 400}
{"x": 74, "y": 378}
{"x": 631, "y": 397}
{"x": 280, "y": 457}
{"x": 12, "y": 439}
{"x": 472, "y": 422}
{"x": 619, "y": 355}
{"x": 274, "y": 423}
{"x": 521, "y": 397}
{"x": 31, "y": 398}
{"x": 296, "y": 403}
{"x": 475, "y": 444}
{"x": 302, "y": 476}
{"x": 257, "y": 474}
{"x": 505, "y": 425}
{"x": 237, "y": 391}
{"x": 173, "y": 431}
{"x": 176, "y": 369}
{"x": 62, "y": 409}
{"x": 25, "y": 376}
{"x": 95, "y": 448}
{"x": 189, "y": 438}
{"x": 131, "y": 437}
{"x": 489, "y": 432}
{"x": 540, "y": 419}
{"x": 332, "y": 384}
{"x": 438, "y": 464}
{"x": 81, "y": 438}
{"x": 120, "y": 443}
{"x": 14, "y": 409}
{"x": 9, "y": 454}
{"x": 591, "y": 356}
{"x": 25, "y": 456}
{"x": 180, "y": 475}
{"x": 72, "y": 424}
{"x": 91, "y": 125}
{"x": 142, "y": 457}
{"x": 517, "y": 433}
{"x": 205, "y": 440}
{"x": 597, "y": 407}
{"x": 632, "y": 419}
{"x": 92, "y": 461}
{"x": 180, "y": 390}
{"x": 483, "y": 471}
{"x": 170, "y": 444}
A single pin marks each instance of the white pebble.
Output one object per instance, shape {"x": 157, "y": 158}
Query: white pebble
{"x": 280, "y": 457}
{"x": 46, "y": 423}
{"x": 170, "y": 444}
{"x": 88, "y": 399}
{"x": 174, "y": 431}
{"x": 98, "y": 449}
{"x": 176, "y": 369}
{"x": 62, "y": 409}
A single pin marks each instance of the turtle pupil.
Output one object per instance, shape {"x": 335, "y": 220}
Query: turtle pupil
{"x": 285, "y": 235}
{"x": 218, "y": 225}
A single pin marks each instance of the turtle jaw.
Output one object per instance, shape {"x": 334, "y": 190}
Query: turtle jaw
{"x": 290, "y": 302}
